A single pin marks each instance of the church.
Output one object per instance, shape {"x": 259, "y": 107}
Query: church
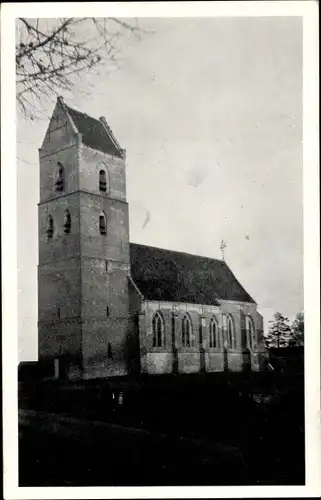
{"x": 108, "y": 307}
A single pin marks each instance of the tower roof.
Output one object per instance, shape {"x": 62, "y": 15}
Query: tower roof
{"x": 170, "y": 276}
{"x": 96, "y": 134}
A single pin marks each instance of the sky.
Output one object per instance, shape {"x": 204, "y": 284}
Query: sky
{"x": 209, "y": 111}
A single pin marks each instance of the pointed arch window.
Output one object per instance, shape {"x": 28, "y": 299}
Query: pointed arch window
{"x": 50, "y": 226}
{"x": 67, "y": 222}
{"x": 251, "y": 334}
{"x": 102, "y": 180}
{"x": 60, "y": 177}
{"x": 158, "y": 330}
{"x": 230, "y": 332}
{"x": 102, "y": 223}
{"x": 187, "y": 331}
{"x": 214, "y": 334}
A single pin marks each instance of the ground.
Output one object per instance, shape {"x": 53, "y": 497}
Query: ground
{"x": 161, "y": 437}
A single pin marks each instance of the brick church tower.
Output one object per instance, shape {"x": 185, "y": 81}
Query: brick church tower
{"x": 83, "y": 248}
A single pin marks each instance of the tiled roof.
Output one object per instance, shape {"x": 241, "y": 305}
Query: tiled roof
{"x": 170, "y": 276}
{"x": 94, "y": 133}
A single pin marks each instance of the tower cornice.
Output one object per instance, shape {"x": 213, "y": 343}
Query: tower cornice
{"x": 81, "y": 191}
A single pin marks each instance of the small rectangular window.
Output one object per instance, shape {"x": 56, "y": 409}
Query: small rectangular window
{"x": 107, "y": 311}
{"x": 106, "y": 263}
{"x": 58, "y": 312}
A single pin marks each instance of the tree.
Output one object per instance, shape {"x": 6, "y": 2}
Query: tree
{"x": 297, "y": 330}
{"x": 51, "y": 52}
{"x": 279, "y": 334}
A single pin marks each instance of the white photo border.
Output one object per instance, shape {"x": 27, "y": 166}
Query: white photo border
{"x": 308, "y": 10}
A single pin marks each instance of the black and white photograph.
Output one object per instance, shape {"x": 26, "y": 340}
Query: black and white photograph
{"x": 163, "y": 332}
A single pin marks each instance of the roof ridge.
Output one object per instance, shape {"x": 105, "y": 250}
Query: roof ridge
{"x": 178, "y": 251}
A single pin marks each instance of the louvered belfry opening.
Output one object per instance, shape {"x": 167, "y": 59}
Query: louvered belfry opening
{"x": 67, "y": 223}
{"x": 60, "y": 178}
{"x": 102, "y": 181}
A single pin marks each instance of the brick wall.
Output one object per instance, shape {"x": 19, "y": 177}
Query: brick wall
{"x": 103, "y": 287}
{"x": 114, "y": 245}
{"x": 99, "y": 358}
{"x": 91, "y": 162}
{"x": 59, "y": 290}
{"x": 60, "y": 245}
{"x": 60, "y": 339}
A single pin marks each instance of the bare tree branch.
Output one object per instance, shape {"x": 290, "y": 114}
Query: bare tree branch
{"x": 51, "y": 53}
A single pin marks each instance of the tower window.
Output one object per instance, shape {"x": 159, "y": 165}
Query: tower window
{"x": 67, "y": 223}
{"x": 158, "y": 330}
{"x": 107, "y": 310}
{"x": 186, "y": 331}
{"x": 58, "y": 312}
{"x": 50, "y": 227}
{"x": 102, "y": 224}
{"x": 102, "y": 181}
{"x": 60, "y": 178}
